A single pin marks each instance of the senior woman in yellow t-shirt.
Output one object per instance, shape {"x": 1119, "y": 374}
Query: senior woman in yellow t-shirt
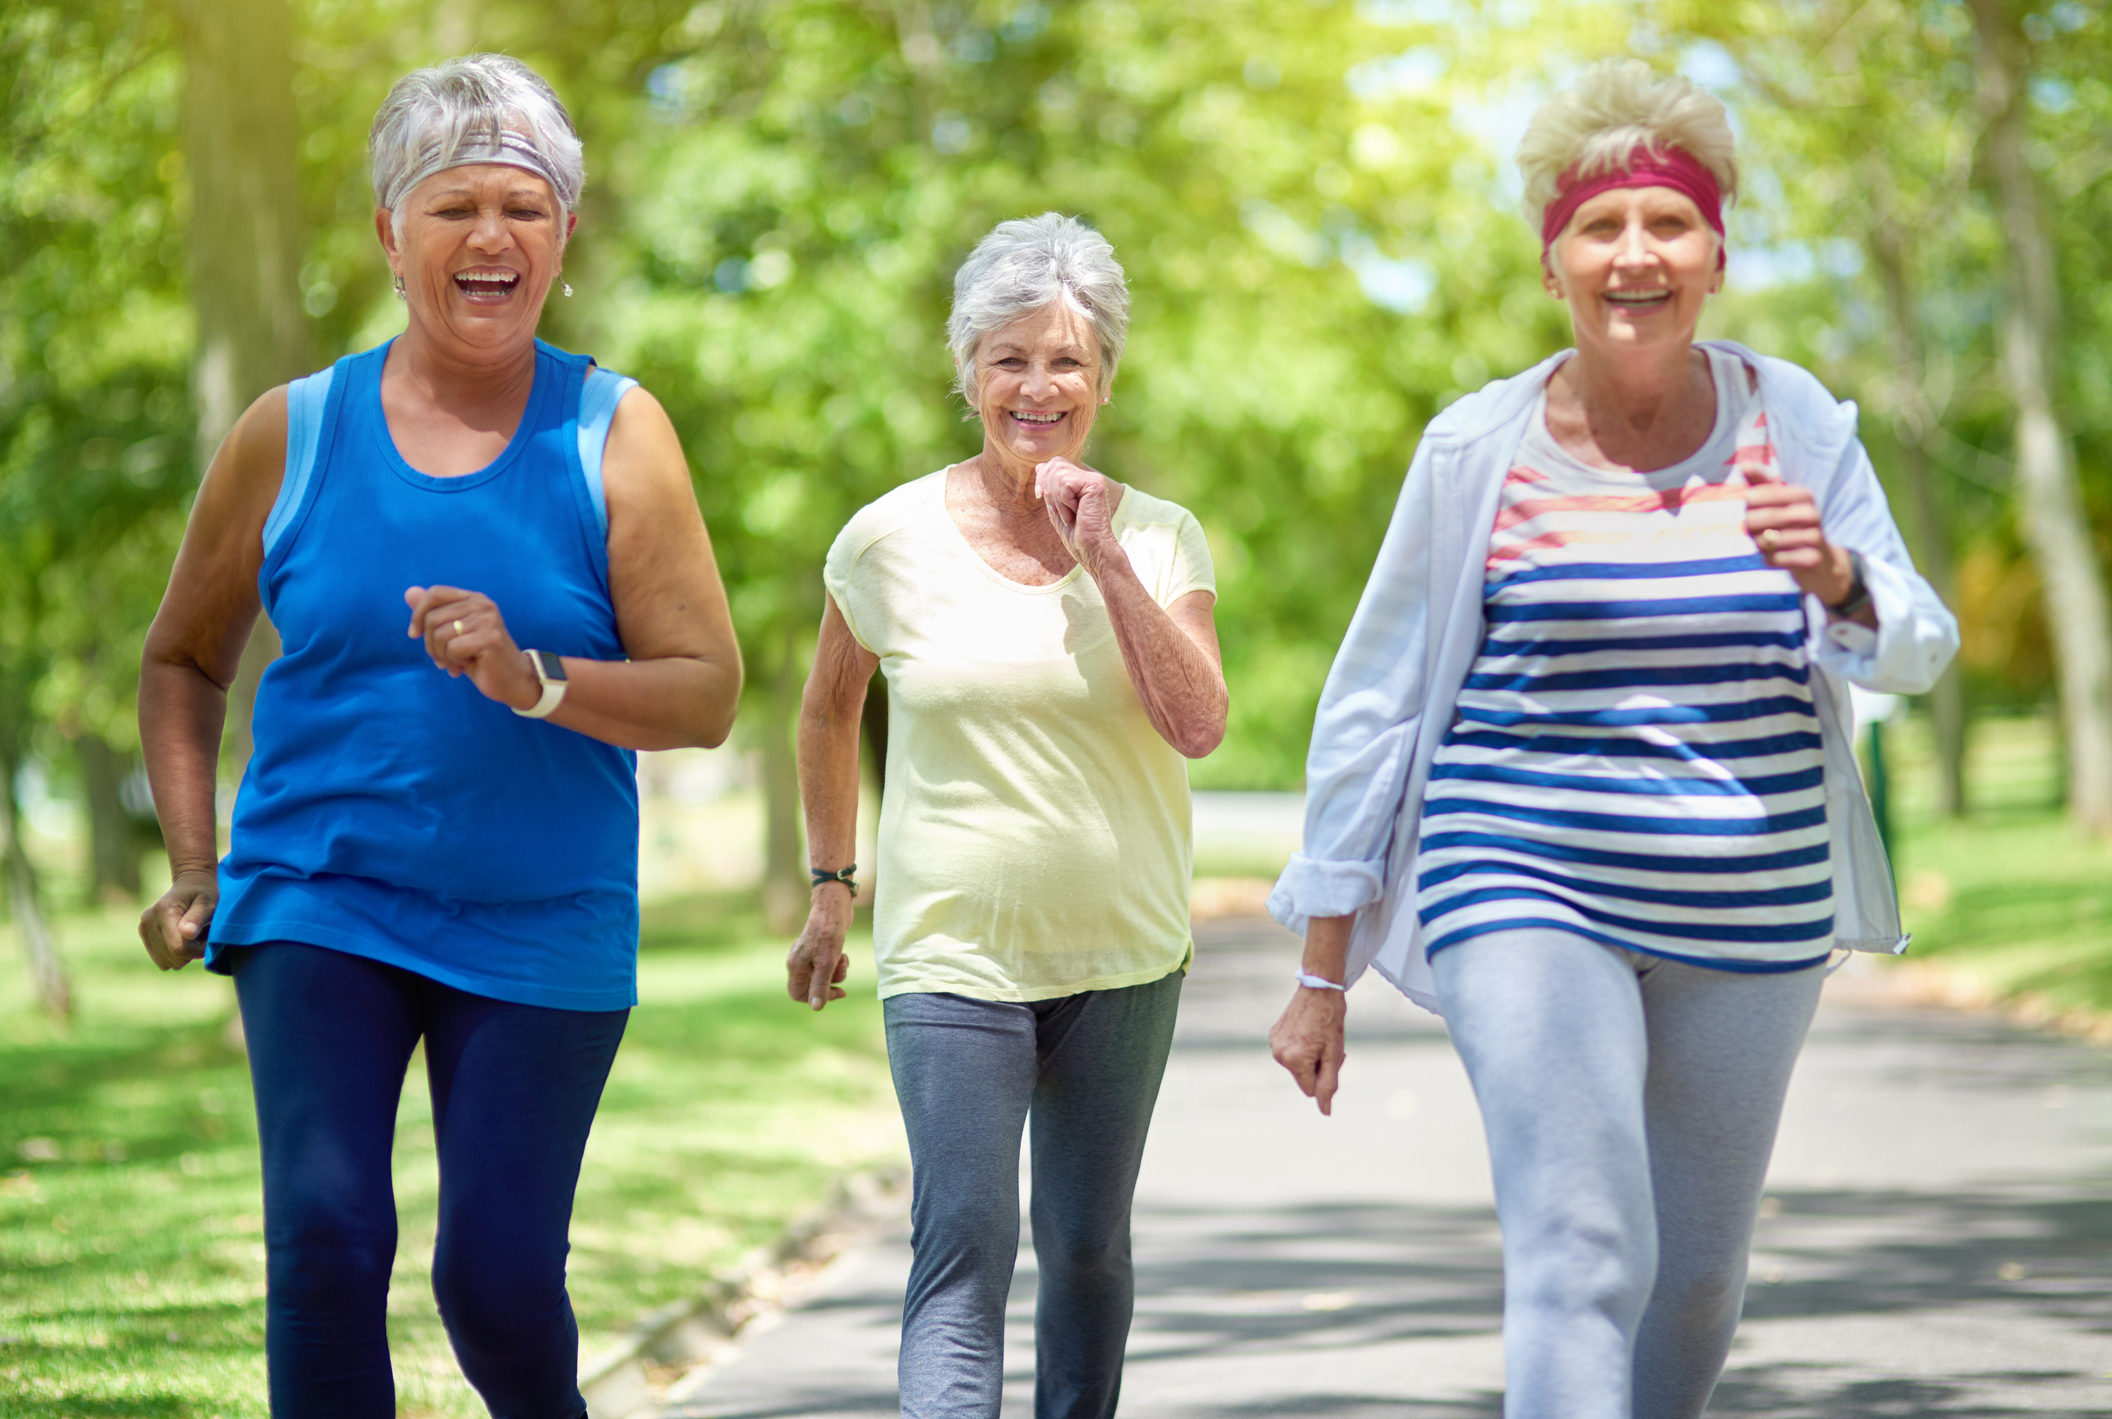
{"x": 1051, "y": 658}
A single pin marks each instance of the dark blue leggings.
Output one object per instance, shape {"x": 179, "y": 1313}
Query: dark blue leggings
{"x": 514, "y": 1091}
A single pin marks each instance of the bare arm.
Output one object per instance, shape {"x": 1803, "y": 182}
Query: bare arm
{"x": 829, "y": 713}
{"x": 1307, "y": 1038}
{"x": 1171, "y": 652}
{"x": 682, "y": 680}
{"x": 192, "y": 652}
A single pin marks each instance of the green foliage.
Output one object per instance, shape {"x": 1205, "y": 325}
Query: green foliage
{"x": 95, "y": 335}
{"x": 1310, "y": 197}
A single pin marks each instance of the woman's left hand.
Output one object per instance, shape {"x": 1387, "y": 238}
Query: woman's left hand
{"x": 1783, "y": 521}
{"x": 1082, "y": 506}
{"x": 465, "y": 635}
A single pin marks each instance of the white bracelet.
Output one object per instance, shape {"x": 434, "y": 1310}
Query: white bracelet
{"x": 1313, "y": 982}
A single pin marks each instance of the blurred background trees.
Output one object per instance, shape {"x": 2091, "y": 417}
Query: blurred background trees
{"x": 1314, "y": 202}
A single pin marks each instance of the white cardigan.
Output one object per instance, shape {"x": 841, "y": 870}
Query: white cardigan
{"x": 1388, "y": 700}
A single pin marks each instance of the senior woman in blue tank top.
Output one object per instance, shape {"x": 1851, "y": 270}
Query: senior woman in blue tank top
{"x": 487, "y": 564}
{"x": 1581, "y": 775}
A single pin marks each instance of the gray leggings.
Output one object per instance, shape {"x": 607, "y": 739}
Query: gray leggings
{"x": 969, "y": 1073}
{"x": 1631, "y": 1105}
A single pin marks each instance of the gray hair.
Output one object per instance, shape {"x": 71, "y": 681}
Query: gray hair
{"x": 479, "y": 108}
{"x": 1615, "y": 107}
{"x": 1022, "y": 266}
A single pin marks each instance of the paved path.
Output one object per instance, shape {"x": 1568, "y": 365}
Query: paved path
{"x": 1937, "y": 1239}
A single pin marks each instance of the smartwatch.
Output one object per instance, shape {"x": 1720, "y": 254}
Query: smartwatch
{"x": 550, "y": 670}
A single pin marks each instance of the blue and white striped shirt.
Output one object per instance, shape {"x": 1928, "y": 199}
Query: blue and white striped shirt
{"x": 1635, "y": 756}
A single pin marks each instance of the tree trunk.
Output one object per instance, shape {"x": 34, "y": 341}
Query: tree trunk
{"x": 46, "y": 972}
{"x": 1914, "y": 424}
{"x": 241, "y": 149}
{"x": 113, "y": 846}
{"x": 2055, "y": 526}
{"x": 784, "y": 897}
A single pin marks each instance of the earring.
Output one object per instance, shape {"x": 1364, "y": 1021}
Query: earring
{"x": 568, "y": 289}
{"x": 399, "y": 286}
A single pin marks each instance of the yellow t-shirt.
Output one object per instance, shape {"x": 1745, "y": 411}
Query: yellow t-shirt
{"x": 1035, "y": 834}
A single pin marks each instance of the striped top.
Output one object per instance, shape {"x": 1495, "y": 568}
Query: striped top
{"x": 1635, "y": 757}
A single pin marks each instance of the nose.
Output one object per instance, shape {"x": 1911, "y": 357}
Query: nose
{"x": 1039, "y": 382}
{"x": 489, "y": 232}
{"x": 1633, "y": 248}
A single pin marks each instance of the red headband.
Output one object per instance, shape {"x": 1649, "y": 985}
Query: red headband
{"x": 1674, "y": 168}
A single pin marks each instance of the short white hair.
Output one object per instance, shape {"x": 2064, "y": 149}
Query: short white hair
{"x": 1024, "y": 265}
{"x": 464, "y": 106}
{"x": 1615, "y": 107}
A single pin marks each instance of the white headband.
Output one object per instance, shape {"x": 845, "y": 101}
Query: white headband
{"x": 512, "y": 149}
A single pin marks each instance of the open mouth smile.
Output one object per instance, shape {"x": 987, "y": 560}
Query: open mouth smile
{"x": 1035, "y": 419}
{"x": 487, "y": 286}
{"x": 1638, "y": 300}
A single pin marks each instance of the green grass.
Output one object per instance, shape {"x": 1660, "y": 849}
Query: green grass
{"x": 131, "y": 1251}
{"x": 2012, "y": 896}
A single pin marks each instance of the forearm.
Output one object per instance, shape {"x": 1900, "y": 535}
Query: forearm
{"x": 1327, "y": 947}
{"x": 828, "y": 773}
{"x": 181, "y": 715}
{"x": 1181, "y": 686}
{"x": 676, "y": 702}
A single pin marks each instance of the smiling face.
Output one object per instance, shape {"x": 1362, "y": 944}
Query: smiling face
{"x": 480, "y": 246}
{"x": 1039, "y": 386}
{"x": 1636, "y": 264}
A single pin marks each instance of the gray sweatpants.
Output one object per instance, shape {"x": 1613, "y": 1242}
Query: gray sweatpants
{"x": 969, "y": 1073}
{"x": 1631, "y": 1106}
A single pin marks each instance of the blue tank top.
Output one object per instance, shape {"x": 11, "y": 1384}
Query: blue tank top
{"x": 395, "y": 813}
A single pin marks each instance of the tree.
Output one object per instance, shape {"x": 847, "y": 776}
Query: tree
{"x": 2049, "y": 493}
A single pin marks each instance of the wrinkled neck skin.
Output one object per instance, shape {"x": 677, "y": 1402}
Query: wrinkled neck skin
{"x": 1635, "y": 390}
{"x": 437, "y": 370}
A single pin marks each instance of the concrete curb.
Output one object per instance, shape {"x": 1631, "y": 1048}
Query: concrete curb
{"x": 618, "y": 1383}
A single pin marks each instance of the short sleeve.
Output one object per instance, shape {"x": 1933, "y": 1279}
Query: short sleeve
{"x": 1189, "y": 567}
{"x": 839, "y": 574}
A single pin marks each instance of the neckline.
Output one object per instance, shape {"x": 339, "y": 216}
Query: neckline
{"x": 1734, "y": 398}
{"x": 523, "y": 433}
{"x": 967, "y": 548}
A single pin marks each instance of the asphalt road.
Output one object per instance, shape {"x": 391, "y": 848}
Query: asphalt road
{"x": 1936, "y": 1241}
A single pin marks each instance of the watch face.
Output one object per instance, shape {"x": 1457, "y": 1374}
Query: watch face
{"x": 553, "y": 666}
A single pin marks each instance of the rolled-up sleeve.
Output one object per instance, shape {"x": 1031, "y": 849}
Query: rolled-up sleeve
{"x": 1916, "y": 634}
{"x": 1364, "y": 734}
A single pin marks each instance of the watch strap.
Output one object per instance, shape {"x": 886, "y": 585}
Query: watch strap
{"x": 550, "y": 672}
{"x": 1858, "y": 598}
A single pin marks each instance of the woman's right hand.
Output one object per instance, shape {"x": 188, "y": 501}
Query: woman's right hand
{"x": 1307, "y": 1040}
{"x": 173, "y": 929}
{"x": 815, "y": 970}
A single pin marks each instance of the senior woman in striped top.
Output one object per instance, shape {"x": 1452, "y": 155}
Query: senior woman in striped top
{"x": 1581, "y": 776}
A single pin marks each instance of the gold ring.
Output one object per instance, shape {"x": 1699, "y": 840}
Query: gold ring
{"x": 1767, "y": 540}
{"x": 458, "y": 624}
